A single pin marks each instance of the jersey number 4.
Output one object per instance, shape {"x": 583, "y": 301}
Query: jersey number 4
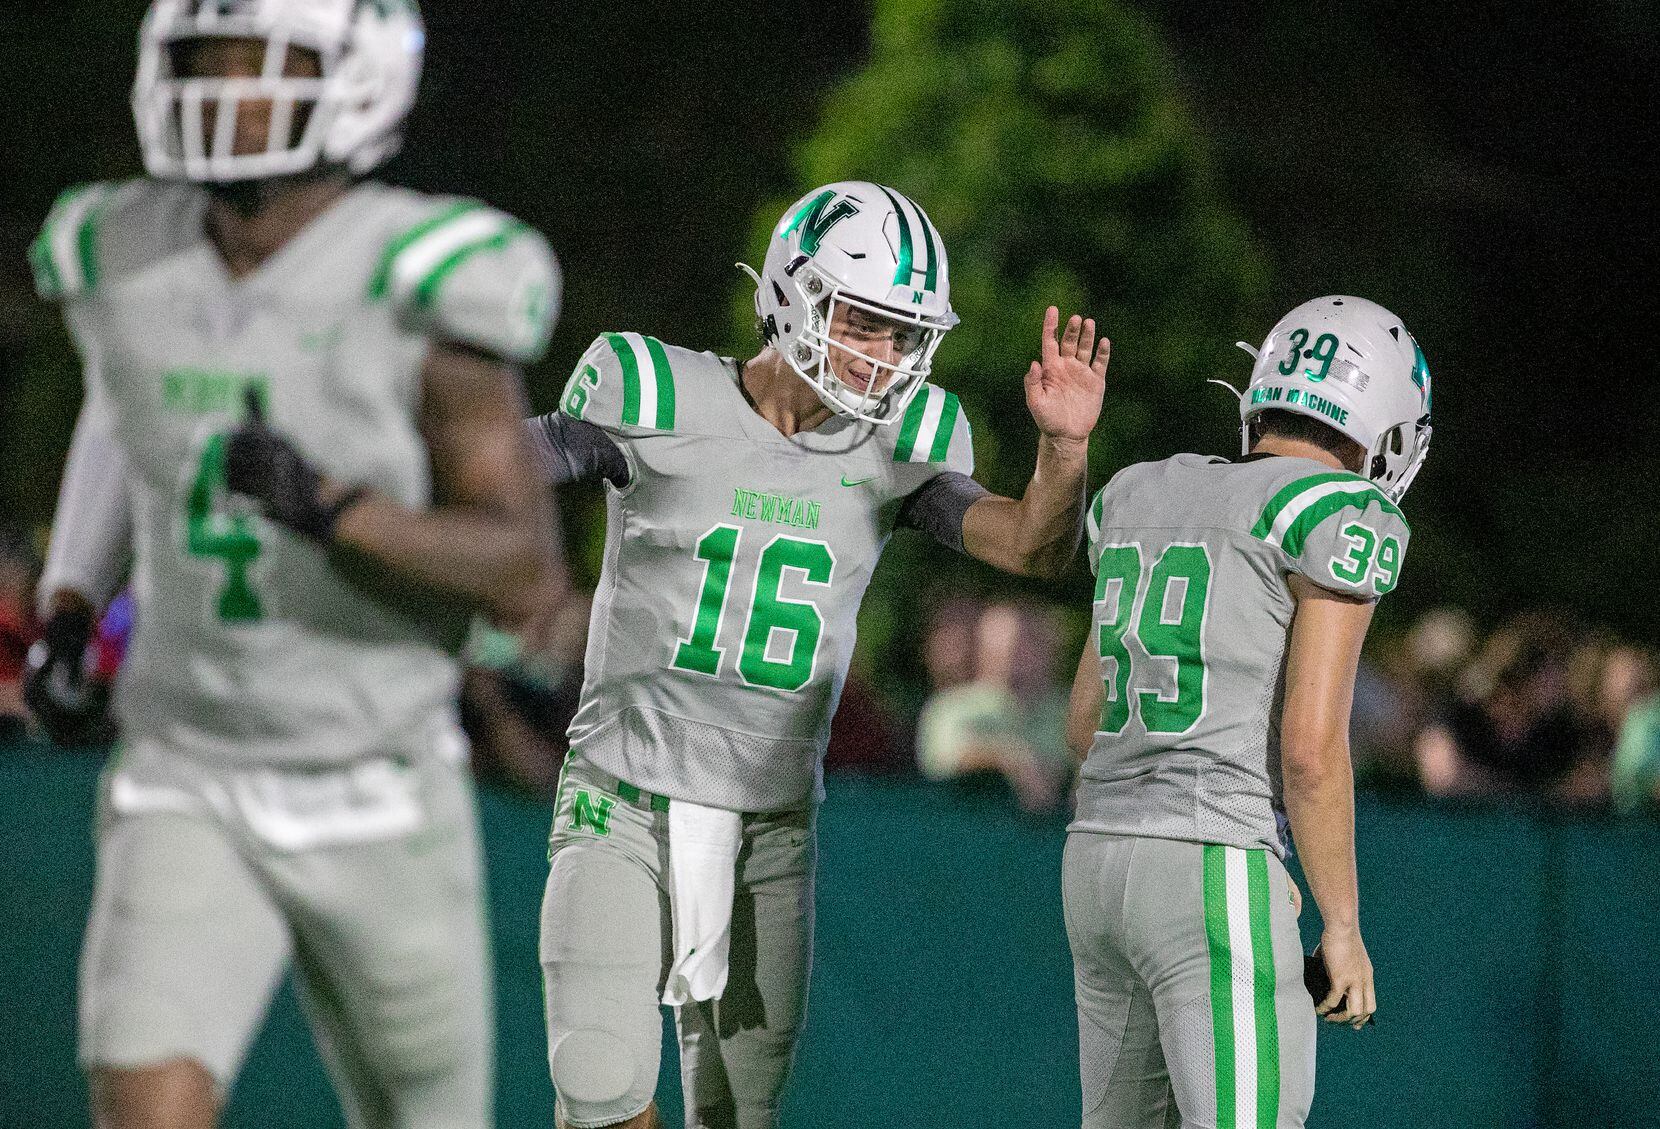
{"x": 1167, "y": 616}
{"x": 215, "y": 534}
{"x": 770, "y": 614}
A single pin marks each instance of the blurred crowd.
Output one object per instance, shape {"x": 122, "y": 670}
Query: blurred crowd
{"x": 1539, "y": 707}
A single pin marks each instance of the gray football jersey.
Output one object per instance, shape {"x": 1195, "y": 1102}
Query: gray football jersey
{"x": 250, "y": 643}
{"x": 1191, "y": 620}
{"x": 735, "y": 561}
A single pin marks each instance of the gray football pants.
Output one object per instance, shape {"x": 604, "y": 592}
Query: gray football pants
{"x": 1188, "y": 972}
{"x": 607, "y": 942}
{"x": 194, "y": 919}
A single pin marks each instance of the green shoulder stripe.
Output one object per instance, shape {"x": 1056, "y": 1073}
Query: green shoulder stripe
{"x": 927, "y": 427}
{"x": 646, "y": 402}
{"x": 64, "y": 256}
{"x": 416, "y": 262}
{"x": 426, "y": 290}
{"x": 1299, "y": 507}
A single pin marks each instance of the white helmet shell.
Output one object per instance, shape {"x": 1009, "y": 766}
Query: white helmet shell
{"x": 1352, "y": 365}
{"x": 352, "y": 116}
{"x": 861, "y": 245}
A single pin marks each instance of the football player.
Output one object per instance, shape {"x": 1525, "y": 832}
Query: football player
{"x": 304, "y": 412}
{"x": 1212, "y": 700}
{"x": 748, "y": 503}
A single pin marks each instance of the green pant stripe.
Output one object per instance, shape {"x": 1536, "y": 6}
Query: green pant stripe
{"x": 911, "y": 425}
{"x": 948, "y": 425}
{"x": 631, "y": 378}
{"x": 665, "y": 384}
{"x": 1221, "y": 980}
{"x": 1262, "y": 991}
{"x": 381, "y": 282}
{"x": 559, "y": 794}
{"x": 426, "y": 291}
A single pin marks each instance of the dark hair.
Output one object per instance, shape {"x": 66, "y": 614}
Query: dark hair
{"x": 1307, "y": 429}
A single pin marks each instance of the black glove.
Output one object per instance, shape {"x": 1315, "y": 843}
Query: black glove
{"x": 266, "y": 467}
{"x": 70, "y": 705}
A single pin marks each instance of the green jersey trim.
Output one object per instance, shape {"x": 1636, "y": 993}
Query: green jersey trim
{"x": 1299, "y": 508}
{"x": 415, "y": 264}
{"x": 646, "y": 402}
{"x": 1097, "y": 510}
{"x": 64, "y": 256}
{"x": 926, "y": 430}
{"x": 426, "y": 291}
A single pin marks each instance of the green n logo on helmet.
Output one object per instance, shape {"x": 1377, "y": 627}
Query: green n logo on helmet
{"x": 815, "y": 220}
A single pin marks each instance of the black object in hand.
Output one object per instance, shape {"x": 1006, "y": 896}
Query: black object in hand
{"x": 1317, "y": 979}
{"x": 265, "y": 466}
{"x": 68, "y": 703}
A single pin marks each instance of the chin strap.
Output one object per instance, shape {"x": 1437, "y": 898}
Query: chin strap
{"x": 751, "y": 272}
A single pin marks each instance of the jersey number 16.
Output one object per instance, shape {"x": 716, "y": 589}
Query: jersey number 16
{"x": 769, "y": 611}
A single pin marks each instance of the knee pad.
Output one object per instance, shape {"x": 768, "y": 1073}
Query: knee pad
{"x": 599, "y": 1077}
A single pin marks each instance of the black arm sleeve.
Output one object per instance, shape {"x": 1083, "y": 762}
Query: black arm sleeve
{"x": 937, "y": 507}
{"x": 570, "y": 450}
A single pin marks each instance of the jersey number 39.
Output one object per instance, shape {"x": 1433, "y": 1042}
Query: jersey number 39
{"x": 769, "y": 612}
{"x": 1168, "y": 619}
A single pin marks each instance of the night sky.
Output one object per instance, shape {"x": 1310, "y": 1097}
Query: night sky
{"x": 1483, "y": 179}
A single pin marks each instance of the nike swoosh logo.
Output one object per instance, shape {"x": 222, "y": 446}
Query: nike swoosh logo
{"x": 856, "y": 481}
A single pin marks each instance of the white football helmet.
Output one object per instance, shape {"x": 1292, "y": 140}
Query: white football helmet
{"x": 370, "y": 55}
{"x": 1352, "y": 365}
{"x": 860, "y": 245}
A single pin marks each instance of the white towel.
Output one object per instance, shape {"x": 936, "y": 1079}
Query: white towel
{"x": 703, "y": 871}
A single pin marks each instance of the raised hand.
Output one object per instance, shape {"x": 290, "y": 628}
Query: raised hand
{"x": 1064, "y": 389}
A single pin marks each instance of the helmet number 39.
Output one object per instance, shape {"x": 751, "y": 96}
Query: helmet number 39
{"x": 1323, "y": 351}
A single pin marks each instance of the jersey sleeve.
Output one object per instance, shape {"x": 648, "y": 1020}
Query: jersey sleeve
{"x": 92, "y": 525}
{"x": 475, "y": 276}
{"x": 934, "y": 432}
{"x": 1094, "y": 515}
{"x": 1338, "y": 530}
{"x": 624, "y": 385}
{"x": 64, "y": 256}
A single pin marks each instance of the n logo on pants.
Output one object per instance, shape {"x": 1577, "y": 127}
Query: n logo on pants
{"x": 589, "y": 810}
